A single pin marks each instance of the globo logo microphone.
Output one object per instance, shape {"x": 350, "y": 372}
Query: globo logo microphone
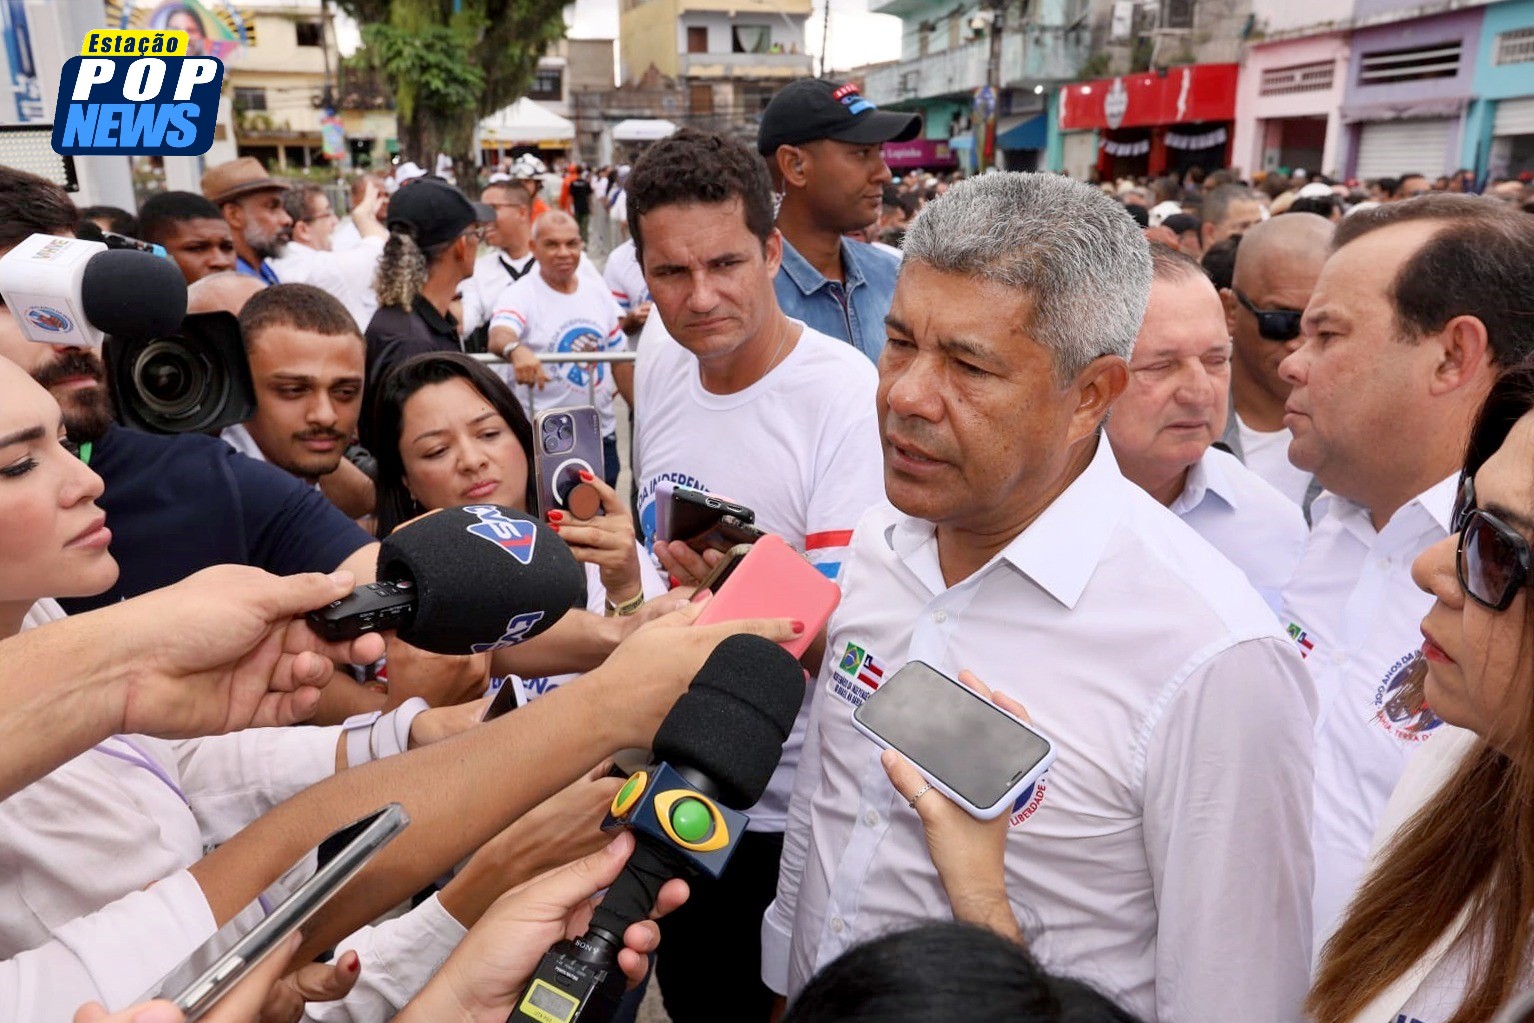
{"x": 137, "y": 93}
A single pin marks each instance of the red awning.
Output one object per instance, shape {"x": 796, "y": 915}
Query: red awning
{"x": 1187, "y": 93}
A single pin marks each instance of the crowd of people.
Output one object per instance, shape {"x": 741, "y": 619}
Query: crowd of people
{"x": 1227, "y": 486}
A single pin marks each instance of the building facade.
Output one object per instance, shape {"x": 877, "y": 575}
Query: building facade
{"x": 1408, "y": 88}
{"x": 945, "y": 53}
{"x": 278, "y": 85}
{"x": 1499, "y": 127}
{"x": 727, "y": 57}
{"x": 1152, "y": 123}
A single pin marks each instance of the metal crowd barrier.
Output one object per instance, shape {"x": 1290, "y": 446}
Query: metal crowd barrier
{"x": 585, "y": 358}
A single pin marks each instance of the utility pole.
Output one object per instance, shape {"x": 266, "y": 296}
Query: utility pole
{"x": 988, "y": 99}
{"x": 825, "y": 38}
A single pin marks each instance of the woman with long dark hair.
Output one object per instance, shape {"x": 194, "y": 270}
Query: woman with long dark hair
{"x": 450, "y": 432}
{"x": 1440, "y": 930}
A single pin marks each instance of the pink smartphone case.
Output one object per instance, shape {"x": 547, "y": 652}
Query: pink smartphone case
{"x": 775, "y": 581}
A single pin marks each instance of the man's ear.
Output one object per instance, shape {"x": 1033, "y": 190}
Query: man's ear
{"x": 1097, "y": 387}
{"x": 1228, "y": 300}
{"x": 1465, "y": 352}
{"x": 791, "y": 162}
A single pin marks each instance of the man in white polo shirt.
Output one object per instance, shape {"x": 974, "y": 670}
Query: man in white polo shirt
{"x": 1164, "y": 427}
{"x": 735, "y": 398}
{"x": 1166, "y": 857}
{"x": 559, "y": 310}
{"x": 1419, "y": 304}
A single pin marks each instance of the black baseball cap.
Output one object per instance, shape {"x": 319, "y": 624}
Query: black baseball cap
{"x": 435, "y": 212}
{"x": 810, "y": 109}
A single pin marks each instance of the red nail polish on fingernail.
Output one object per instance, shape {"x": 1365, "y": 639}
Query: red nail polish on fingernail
{"x": 554, "y": 526}
{"x": 555, "y": 516}
{"x": 587, "y": 476}
{"x": 798, "y": 628}
{"x": 354, "y": 966}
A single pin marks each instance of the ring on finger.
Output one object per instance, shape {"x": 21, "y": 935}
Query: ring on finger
{"x": 919, "y": 793}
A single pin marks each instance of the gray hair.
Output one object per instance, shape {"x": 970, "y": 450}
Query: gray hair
{"x": 1082, "y": 260}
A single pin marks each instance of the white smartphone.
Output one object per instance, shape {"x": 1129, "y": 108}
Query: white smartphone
{"x": 363, "y": 838}
{"x": 971, "y": 750}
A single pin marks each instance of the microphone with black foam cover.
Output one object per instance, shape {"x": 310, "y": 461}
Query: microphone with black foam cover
{"x": 714, "y": 755}
{"x": 129, "y": 294}
{"x": 462, "y": 581}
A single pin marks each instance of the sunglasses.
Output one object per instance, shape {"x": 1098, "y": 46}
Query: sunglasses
{"x": 1492, "y": 560}
{"x": 1273, "y": 324}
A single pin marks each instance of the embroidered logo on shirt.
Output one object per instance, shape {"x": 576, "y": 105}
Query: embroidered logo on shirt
{"x": 857, "y": 675}
{"x": 1028, "y": 803}
{"x": 1400, "y": 701}
{"x": 1301, "y": 639}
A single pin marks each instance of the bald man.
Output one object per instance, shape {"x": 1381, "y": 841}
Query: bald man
{"x": 227, "y": 292}
{"x": 1276, "y": 270}
{"x": 559, "y": 310}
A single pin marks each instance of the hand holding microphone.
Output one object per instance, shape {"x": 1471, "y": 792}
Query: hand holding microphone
{"x": 462, "y": 581}
{"x": 714, "y": 754}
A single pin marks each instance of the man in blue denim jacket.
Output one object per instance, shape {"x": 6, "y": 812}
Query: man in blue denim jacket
{"x": 822, "y": 142}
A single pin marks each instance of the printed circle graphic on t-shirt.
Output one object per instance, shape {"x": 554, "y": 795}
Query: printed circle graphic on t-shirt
{"x": 1400, "y": 702}
{"x": 580, "y": 336}
{"x": 1028, "y": 803}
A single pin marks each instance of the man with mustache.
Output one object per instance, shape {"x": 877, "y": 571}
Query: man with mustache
{"x": 822, "y": 141}
{"x": 306, "y": 358}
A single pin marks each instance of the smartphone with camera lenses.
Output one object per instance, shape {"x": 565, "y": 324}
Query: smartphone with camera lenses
{"x": 566, "y": 442}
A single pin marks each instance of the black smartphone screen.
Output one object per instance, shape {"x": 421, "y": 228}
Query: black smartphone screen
{"x": 951, "y": 733}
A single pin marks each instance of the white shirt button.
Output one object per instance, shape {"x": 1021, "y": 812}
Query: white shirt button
{"x": 838, "y": 925}
{"x": 940, "y": 616}
{"x": 1383, "y": 564}
{"x": 871, "y": 818}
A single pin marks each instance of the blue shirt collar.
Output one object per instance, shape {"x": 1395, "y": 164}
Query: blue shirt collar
{"x": 810, "y": 280}
{"x": 265, "y": 272}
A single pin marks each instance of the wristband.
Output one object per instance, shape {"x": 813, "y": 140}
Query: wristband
{"x": 358, "y": 729}
{"x": 628, "y": 607}
{"x": 390, "y": 734}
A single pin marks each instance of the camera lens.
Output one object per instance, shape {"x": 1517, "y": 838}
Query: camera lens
{"x": 558, "y": 434}
{"x": 173, "y": 384}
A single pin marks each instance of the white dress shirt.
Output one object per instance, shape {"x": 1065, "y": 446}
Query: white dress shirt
{"x": 1165, "y": 857}
{"x": 1356, "y": 616}
{"x": 348, "y": 274}
{"x": 1267, "y": 454}
{"x": 1246, "y": 519}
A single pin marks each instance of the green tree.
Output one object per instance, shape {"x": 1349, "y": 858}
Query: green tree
{"x": 452, "y": 62}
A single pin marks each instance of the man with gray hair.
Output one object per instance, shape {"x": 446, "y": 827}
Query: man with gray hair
{"x": 1166, "y": 856}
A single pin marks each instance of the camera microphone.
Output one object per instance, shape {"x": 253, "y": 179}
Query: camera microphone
{"x": 72, "y": 292}
{"x": 714, "y": 753}
{"x": 462, "y": 581}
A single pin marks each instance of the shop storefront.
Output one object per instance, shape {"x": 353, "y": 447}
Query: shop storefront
{"x": 920, "y": 154}
{"x": 1499, "y": 130}
{"x": 1286, "y": 105}
{"x": 1156, "y": 122}
{"x": 1408, "y": 89}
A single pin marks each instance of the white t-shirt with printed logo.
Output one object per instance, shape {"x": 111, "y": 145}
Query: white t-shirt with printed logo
{"x": 550, "y": 321}
{"x": 800, "y": 448}
{"x": 624, "y": 277}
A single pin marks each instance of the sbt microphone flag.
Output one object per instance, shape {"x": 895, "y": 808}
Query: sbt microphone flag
{"x": 137, "y": 93}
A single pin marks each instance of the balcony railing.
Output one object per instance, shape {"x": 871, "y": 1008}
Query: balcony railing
{"x": 746, "y": 65}
{"x": 1027, "y": 56}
